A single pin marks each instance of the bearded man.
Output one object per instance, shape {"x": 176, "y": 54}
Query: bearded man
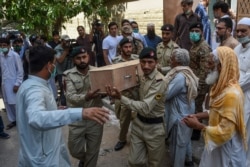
{"x": 84, "y": 136}
{"x": 225, "y": 134}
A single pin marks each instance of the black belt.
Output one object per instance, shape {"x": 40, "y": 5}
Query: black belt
{"x": 150, "y": 120}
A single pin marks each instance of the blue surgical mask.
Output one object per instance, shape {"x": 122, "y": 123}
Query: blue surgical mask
{"x": 53, "y": 73}
{"x": 135, "y": 30}
{"x": 194, "y": 36}
{"x": 244, "y": 40}
{"x": 4, "y": 50}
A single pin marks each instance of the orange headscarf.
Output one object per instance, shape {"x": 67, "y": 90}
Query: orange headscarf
{"x": 229, "y": 70}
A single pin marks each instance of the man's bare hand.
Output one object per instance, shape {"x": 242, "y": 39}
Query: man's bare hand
{"x": 192, "y": 122}
{"x": 96, "y": 114}
{"x": 113, "y": 92}
{"x": 15, "y": 88}
{"x": 92, "y": 94}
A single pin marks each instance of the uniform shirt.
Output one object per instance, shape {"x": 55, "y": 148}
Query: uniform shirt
{"x": 163, "y": 55}
{"x": 77, "y": 86}
{"x": 151, "y": 98}
{"x": 39, "y": 122}
{"x": 199, "y": 53}
{"x": 181, "y": 29}
{"x": 11, "y": 73}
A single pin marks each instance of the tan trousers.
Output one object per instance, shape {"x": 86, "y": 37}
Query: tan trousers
{"x": 124, "y": 116}
{"x": 147, "y": 144}
{"x": 84, "y": 142}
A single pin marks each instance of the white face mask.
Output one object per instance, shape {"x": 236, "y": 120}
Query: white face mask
{"x": 244, "y": 40}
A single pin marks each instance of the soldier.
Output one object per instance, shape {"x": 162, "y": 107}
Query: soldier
{"x": 137, "y": 45}
{"x": 147, "y": 132}
{"x": 199, "y": 53}
{"x": 122, "y": 112}
{"x": 166, "y": 48}
{"x": 83, "y": 134}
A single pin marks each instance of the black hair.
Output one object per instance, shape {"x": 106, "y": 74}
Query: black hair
{"x": 125, "y": 21}
{"x": 18, "y": 40}
{"x": 133, "y": 22}
{"x": 228, "y": 22}
{"x": 221, "y": 5}
{"x": 55, "y": 32}
{"x": 39, "y": 56}
{"x": 80, "y": 27}
{"x": 112, "y": 24}
{"x": 5, "y": 40}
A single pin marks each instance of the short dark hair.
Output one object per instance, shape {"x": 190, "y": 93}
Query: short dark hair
{"x": 125, "y": 21}
{"x": 39, "y": 56}
{"x": 112, "y": 24}
{"x": 80, "y": 27}
{"x": 5, "y": 40}
{"x": 187, "y": 2}
{"x": 228, "y": 22}
{"x": 55, "y": 32}
{"x": 18, "y": 40}
{"x": 133, "y": 22}
{"x": 221, "y": 5}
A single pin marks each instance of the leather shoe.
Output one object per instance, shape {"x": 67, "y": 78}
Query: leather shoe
{"x": 4, "y": 135}
{"x": 11, "y": 125}
{"x": 119, "y": 145}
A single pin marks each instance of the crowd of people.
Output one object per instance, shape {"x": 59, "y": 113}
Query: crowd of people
{"x": 184, "y": 81}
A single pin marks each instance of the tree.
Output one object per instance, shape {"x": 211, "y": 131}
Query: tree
{"x": 41, "y": 16}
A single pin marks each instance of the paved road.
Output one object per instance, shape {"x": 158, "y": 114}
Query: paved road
{"x": 108, "y": 157}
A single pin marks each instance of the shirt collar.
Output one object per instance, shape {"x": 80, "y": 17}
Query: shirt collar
{"x": 39, "y": 79}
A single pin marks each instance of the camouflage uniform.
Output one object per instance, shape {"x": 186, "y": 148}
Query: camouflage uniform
{"x": 84, "y": 136}
{"x": 137, "y": 46}
{"x": 198, "y": 57}
{"x": 163, "y": 55}
{"x": 122, "y": 112}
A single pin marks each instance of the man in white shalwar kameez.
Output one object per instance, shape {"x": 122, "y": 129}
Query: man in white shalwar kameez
{"x": 243, "y": 53}
{"x": 12, "y": 77}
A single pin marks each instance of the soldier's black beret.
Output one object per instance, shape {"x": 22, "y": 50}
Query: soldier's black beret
{"x": 148, "y": 52}
{"x": 125, "y": 40}
{"x": 77, "y": 50}
{"x": 196, "y": 25}
{"x": 167, "y": 27}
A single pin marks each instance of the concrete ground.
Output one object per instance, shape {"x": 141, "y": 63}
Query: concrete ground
{"x": 107, "y": 156}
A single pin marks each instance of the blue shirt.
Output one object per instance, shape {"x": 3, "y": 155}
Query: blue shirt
{"x": 153, "y": 42}
{"x": 39, "y": 125}
{"x": 176, "y": 103}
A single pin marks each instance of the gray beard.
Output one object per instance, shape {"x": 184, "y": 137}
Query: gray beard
{"x": 212, "y": 77}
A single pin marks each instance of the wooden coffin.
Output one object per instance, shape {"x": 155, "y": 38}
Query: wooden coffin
{"x": 123, "y": 76}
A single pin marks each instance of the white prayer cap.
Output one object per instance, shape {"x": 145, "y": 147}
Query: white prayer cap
{"x": 244, "y": 21}
{"x": 150, "y": 25}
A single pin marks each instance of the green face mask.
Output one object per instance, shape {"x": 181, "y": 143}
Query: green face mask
{"x": 17, "y": 49}
{"x": 194, "y": 36}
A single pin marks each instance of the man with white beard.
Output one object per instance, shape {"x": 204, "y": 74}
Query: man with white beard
{"x": 243, "y": 53}
{"x": 225, "y": 134}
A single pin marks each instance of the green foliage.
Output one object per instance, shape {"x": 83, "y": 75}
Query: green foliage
{"x": 41, "y": 16}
